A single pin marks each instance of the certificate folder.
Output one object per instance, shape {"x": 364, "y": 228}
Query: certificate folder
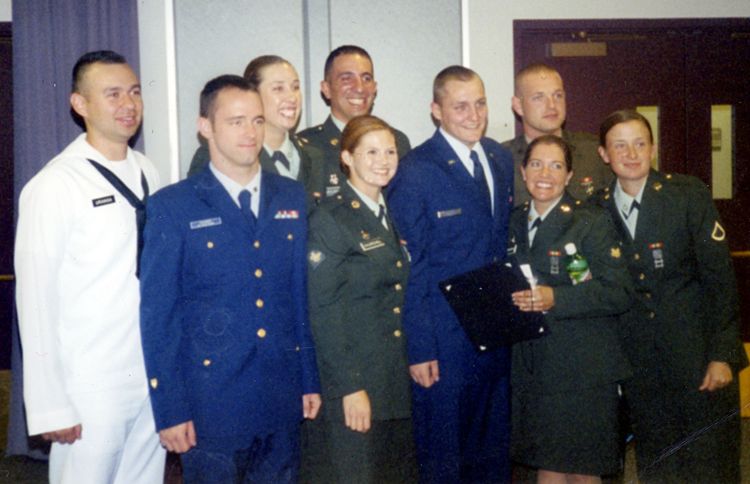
{"x": 482, "y": 302}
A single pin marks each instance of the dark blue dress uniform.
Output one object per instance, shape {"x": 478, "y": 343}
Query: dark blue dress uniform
{"x": 685, "y": 315}
{"x": 461, "y": 423}
{"x": 565, "y": 397}
{"x": 224, "y": 317}
{"x": 322, "y": 144}
{"x": 357, "y": 278}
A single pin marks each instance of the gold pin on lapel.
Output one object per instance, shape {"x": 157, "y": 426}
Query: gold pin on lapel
{"x": 355, "y": 204}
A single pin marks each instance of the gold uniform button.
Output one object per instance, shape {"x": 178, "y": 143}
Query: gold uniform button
{"x": 261, "y": 333}
{"x": 648, "y": 295}
{"x": 397, "y": 310}
{"x": 154, "y": 383}
{"x": 642, "y": 276}
{"x": 296, "y": 348}
{"x": 397, "y": 287}
{"x": 259, "y": 303}
{"x": 256, "y": 244}
{"x": 258, "y": 273}
{"x": 206, "y": 362}
{"x": 210, "y": 245}
{"x": 397, "y": 333}
{"x": 289, "y": 237}
{"x": 651, "y": 315}
{"x": 637, "y": 256}
{"x": 399, "y": 264}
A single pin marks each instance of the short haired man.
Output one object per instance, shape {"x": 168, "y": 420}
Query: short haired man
{"x": 77, "y": 291}
{"x": 450, "y": 201}
{"x": 349, "y": 88}
{"x": 228, "y": 350}
{"x": 539, "y": 101}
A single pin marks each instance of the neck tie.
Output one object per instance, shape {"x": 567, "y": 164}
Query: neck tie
{"x": 381, "y": 216}
{"x": 134, "y": 201}
{"x": 634, "y": 206}
{"x": 245, "y": 206}
{"x": 479, "y": 176}
{"x": 281, "y": 157}
{"x": 532, "y": 229}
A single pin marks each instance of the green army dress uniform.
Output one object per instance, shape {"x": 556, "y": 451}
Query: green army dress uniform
{"x": 590, "y": 173}
{"x": 324, "y": 142}
{"x": 357, "y": 274}
{"x": 565, "y": 396}
{"x": 685, "y": 315}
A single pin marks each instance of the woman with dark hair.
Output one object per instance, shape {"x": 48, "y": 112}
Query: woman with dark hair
{"x": 682, "y": 335}
{"x": 565, "y": 384}
{"x": 357, "y": 274}
{"x": 278, "y": 84}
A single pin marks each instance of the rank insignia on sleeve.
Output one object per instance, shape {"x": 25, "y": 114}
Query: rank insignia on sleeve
{"x": 718, "y": 234}
{"x": 315, "y": 257}
{"x": 615, "y": 252}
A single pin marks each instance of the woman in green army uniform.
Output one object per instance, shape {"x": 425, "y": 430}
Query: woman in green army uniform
{"x": 565, "y": 384}
{"x": 357, "y": 276}
{"x": 682, "y": 335}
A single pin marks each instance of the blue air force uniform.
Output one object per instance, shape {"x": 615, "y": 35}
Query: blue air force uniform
{"x": 224, "y": 312}
{"x": 461, "y": 422}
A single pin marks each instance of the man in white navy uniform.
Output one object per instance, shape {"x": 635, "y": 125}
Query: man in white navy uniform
{"x": 77, "y": 292}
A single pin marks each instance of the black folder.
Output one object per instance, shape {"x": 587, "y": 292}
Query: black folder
{"x": 482, "y": 302}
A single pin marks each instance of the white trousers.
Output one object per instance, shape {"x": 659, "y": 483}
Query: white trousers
{"x": 118, "y": 445}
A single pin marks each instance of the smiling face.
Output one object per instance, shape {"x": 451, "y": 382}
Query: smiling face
{"x": 629, "y": 152}
{"x": 350, "y": 86}
{"x": 282, "y": 99}
{"x": 546, "y": 175}
{"x": 235, "y": 133}
{"x": 540, "y": 102}
{"x": 109, "y": 101}
{"x": 373, "y": 162}
{"x": 462, "y": 110}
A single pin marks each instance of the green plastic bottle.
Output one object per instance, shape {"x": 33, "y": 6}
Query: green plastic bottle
{"x": 576, "y": 265}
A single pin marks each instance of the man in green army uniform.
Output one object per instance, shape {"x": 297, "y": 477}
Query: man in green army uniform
{"x": 539, "y": 101}
{"x": 682, "y": 335}
{"x": 349, "y": 88}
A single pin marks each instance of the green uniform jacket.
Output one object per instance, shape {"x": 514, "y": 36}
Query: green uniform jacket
{"x": 323, "y": 142}
{"x": 590, "y": 173}
{"x": 686, "y": 311}
{"x": 357, "y": 274}
{"x": 582, "y": 348}
{"x": 310, "y": 172}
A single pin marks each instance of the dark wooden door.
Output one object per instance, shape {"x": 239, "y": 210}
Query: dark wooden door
{"x": 7, "y": 219}
{"x": 683, "y": 66}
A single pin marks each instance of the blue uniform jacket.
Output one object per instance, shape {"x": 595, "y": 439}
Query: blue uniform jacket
{"x": 224, "y": 308}
{"x": 448, "y": 230}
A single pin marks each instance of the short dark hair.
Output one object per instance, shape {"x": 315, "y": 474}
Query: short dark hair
{"x": 536, "y": 68}
{"x": 622, "y": 116}
{"x": 254, "y": 70}
{"x": 86, "y": 60}
{"x": 451, "y": 73}
{"x": 343, "y": 50}
{"x": 215, "y": 86}
{"x": 550, "y": 139}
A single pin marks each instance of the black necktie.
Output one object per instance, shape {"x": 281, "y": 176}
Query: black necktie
{"x": 537, "y": 223}
{"x": 634, "y": 206}
{"x": 135, "y": 202}
{"x": 246, "y": 207}
{"x": 281, "y": 157}
{"x": 381, "y": 216}
{"x": 479, "y": 176}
